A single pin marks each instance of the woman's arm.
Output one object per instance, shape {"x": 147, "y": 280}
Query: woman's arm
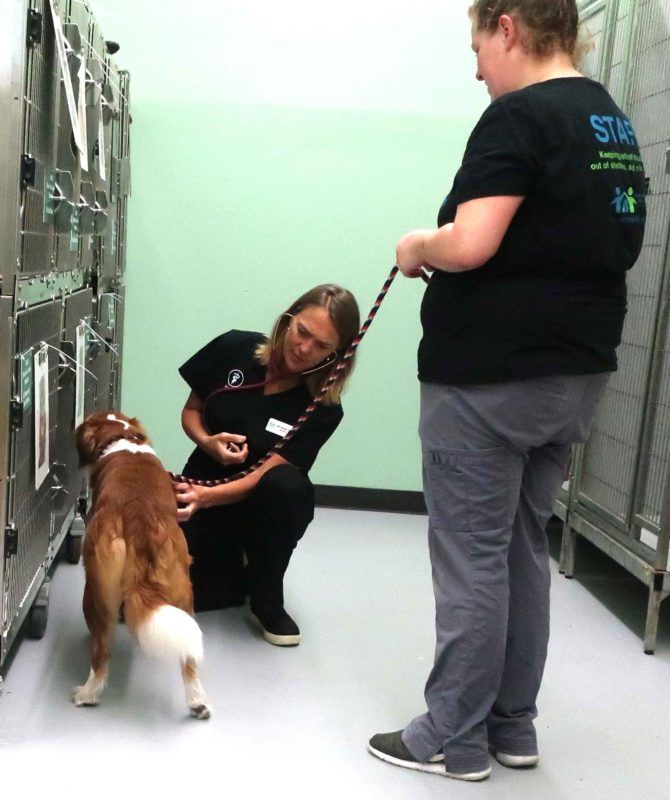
{"x": 191, "y": 420}
{"x": 464, "y": 244}
{"x": 227, "y": 448}
{"x": 192, "y": 497}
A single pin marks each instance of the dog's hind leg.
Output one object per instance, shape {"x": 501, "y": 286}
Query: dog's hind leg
{"x": 102, "y": 601}
{"x": 101, "y": 626}
{"x": 196, "y": 698}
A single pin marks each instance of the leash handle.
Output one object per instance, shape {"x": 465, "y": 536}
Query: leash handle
{"x": 316, "y": 402}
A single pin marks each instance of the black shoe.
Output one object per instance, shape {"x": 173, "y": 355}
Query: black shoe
{"x": 391, "y": 748}
{"x": 278, "y": 627}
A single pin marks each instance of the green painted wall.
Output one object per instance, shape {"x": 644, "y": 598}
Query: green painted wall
{"x": 274, "y": 148}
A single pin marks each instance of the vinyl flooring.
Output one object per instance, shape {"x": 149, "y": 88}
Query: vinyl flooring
{"x": 294, "y": 723}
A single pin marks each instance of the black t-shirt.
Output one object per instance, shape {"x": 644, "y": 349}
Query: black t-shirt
{"x": 228, "y": 361}
{"x": 553, "y": 298}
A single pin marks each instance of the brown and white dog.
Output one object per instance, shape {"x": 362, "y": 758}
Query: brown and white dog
{"x": 135, "y": 555}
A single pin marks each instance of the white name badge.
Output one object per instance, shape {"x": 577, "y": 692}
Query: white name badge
{"x": 278, "y": 427}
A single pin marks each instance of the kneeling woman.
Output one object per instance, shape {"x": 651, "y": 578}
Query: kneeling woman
{"x": 247, "y": 392}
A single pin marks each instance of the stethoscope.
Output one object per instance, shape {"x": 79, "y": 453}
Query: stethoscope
{"x": 317, "y": 400}
{"x": 277, "y": 376}
{"x": 330, "y": 359}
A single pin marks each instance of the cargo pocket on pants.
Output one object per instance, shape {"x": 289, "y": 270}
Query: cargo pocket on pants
{"x": 468, "y": 490}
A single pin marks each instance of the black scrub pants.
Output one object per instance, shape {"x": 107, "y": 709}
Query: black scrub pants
{"x": 244, "y": 549}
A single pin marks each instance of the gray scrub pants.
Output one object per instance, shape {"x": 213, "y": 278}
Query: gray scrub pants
{"x": 494, "y": 457}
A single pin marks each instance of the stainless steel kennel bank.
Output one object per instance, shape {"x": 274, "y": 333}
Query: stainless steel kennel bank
{"x": 618, "y": 496}
{"x": 64, "y": 185}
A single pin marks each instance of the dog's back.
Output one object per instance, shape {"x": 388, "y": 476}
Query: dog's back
{"x": 132, "y": 534}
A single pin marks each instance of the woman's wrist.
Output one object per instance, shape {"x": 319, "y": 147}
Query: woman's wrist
{"x": 206, "y": 499}
{"x": 205, "y": 443}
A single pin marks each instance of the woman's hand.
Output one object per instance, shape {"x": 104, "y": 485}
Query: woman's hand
{"x": 227, "y": 448}
{"x": 410, "y": 254}
{"x": 190, "y": 498}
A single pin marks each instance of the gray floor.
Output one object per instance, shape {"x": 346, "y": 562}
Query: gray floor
{"x": 295, "y": 722}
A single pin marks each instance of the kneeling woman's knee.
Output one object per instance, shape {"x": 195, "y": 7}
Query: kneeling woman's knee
{"x": 286, "y": 488}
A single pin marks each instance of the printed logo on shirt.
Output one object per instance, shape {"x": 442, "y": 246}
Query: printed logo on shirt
{"x": 235, "y": 377}
{"x": 622, "y": 154}
{"x": 628, "y": 205}
{"x": 613, "y": 130}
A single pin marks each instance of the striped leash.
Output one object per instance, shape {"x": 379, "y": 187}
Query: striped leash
{"x": 316, "y": 402}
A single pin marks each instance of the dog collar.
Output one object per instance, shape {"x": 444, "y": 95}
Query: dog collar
{"x": 130, "y": 447}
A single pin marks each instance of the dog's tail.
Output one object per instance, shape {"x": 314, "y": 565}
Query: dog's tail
{"x": 170, "y": 633}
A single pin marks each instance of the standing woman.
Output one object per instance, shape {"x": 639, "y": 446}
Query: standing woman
{"x": 247, "y": 392}
{"x": 520, "y": 325}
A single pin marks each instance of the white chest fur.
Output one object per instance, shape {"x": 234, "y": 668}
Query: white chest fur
{"x": 123, "y": 445}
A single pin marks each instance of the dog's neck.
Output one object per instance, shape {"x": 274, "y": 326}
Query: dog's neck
{"x": 121, "y": 445}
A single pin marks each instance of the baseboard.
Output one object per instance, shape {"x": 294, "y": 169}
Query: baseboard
{"x": 370, "y": 499}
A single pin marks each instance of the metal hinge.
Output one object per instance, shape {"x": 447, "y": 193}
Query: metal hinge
{"x": 34, "y": 28}
{"x": 667, "y": 160}
{"x": 16, "y": 414}
{"x": 27, "y": 170}
{"x": 11, "y": 540}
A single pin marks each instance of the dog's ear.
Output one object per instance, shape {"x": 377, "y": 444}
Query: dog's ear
{"x": 139, "y": 434}
{"x": 86, "y": 438}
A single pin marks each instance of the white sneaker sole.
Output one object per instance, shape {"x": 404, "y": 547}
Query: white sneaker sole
{"x": 291, "y": 640}
{"x": 281, "y": 641}
{"x": 435, "y": 766}
{"x": 509, "y": 760}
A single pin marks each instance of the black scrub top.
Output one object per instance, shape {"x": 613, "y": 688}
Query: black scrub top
{"x": 218, "y": 374}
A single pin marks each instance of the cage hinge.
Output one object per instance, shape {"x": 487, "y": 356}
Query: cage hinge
{"x": 16, "y": 414}
{"x": 34, "y": 28}
{"x": 11, "y": 540}
{"x": 27, "y": 170}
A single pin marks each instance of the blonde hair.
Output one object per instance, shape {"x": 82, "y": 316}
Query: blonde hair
{"x": 550, "y": 25}
{"x": 344, "y": 314}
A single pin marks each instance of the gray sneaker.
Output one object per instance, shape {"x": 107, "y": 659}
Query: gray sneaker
{"x": 516, "y": 761}
{"x": 391, "y": 748}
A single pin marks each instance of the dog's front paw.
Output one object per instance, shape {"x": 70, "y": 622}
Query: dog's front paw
{"x": 201, "y": 711}
{"x": 82, "y": 697}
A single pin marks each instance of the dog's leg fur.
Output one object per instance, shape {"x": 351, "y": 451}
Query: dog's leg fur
{"x": 171, "y": 631}
{"x": 196, "y": 698}
{"x": 102, "y": 601}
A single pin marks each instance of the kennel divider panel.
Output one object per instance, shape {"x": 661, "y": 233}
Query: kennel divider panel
{"x": 651, "y": 103}
{"x": 30, "y": 510}
{"x": 68, "y": 164}
{"x": 117, "y": 361}
{"x": 40, "y": 102}
{"x": 6, "y": 364}
{"x": 77, "y": 309}
{"x": 621, "y": 463}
